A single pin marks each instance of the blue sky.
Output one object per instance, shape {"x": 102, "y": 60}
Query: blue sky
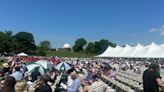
{"x": 63, "y": 21}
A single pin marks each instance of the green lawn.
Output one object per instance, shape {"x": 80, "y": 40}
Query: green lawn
{"x": 69, "y": 54}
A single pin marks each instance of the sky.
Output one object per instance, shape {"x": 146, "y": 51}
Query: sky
{"x": 63, "y": 21}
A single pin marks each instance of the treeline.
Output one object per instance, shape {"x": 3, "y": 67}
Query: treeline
{"x": 24, "y": 42}
{"x": 97, "y": 47}
{"x": 15, "y": 43}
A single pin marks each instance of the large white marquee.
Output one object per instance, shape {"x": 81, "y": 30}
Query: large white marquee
{"x": 150, "y": 51}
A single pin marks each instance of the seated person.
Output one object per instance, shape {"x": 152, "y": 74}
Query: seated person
{"x": 35, "y": 74}
{"x": 1, "y": 73}
{"x": 97, "y": 86}
{"x": 6, "y": 68}
{"x": 8, "y": 85}
{"x": 17, "y": 74}
{"x": 20, "y": 86}
{"x": 84, "y": 83}
{"x": 43, "y": 86}
{"x": 75, "y": 84}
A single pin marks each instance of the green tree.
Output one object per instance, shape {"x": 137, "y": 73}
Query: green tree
{"x": 102, "y": 45}
{"x": 45, "y": 45}
{"x": 90, "y": 49}
{"x": 24, "y": 42}
{"x": 41, "y": 52}
{"x": 6, "y": 41}
{"x": 79, "y": 44}
{"x": 2, "y": 41}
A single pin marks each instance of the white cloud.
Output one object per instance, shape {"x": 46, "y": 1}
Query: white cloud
{"x": 158, "y": 30}
{"x": 162, "y": 33}
{"x": 153, "y": 30}
{"x": 162, "y": 27}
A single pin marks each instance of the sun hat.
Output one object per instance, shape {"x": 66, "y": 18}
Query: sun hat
{"x": 5, "y": 65}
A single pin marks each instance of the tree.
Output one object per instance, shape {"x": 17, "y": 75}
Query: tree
{"x": 90, "y": 49}
{"x": 45, "y": 45}
{"x": 2, "y": 41}
{"x": 102, "y": 45}
{"x": 79, "y": 44}
{"x": 41, "y": 52}
{"x": 9, "y": 41}
{"x": 24, "y": 42}
{"x": 6, "y": 41}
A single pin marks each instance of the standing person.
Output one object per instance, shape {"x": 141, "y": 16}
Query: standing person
{"x": 152, "y": 79}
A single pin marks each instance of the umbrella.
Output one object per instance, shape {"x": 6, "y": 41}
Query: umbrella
{"x": 31, "y": 68}
{"x": 63, "y": 66}
{"x": 45, "y": 63}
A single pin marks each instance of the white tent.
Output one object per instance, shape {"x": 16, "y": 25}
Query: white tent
{"x": 155, "y": 51}
{"x": 22, "y": 54}
{"x": 150, "y": 51}
{"x": 162, "y": 45}
{"x": 116, "y": 51}
{"x": 127, "y": 51}
{"x": 107, "y": 52}
{"x": 139, "y": 51}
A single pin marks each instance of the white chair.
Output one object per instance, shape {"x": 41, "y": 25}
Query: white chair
{"x": 109, "y": 89}
{"x": 80, "y": 89}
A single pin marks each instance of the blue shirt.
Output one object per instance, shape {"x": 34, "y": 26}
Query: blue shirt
{"x": 17, "y": 75}
{"x": 75, "y": 85}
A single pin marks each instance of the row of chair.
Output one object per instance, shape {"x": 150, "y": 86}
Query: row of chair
{"x": 133, "y": 84}
{"x": 130, "y": 73}
{"x": 132, "y": 77}
{"x": 119, "y": 87}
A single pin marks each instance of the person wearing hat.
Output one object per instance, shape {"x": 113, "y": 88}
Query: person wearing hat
{"x": 43, "y": 84}
{"x": 152, "y": 79}
{"x": 6, "y": 67}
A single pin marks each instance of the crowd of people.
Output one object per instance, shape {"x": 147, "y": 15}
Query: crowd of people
{"x": 84, "y": 75}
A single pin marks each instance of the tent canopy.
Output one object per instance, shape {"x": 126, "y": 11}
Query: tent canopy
{"x": 22, "y": 54}
{"x": 140, "y": 51}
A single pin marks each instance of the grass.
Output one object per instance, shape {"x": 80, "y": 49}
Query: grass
{"x": 69, "y": 54}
